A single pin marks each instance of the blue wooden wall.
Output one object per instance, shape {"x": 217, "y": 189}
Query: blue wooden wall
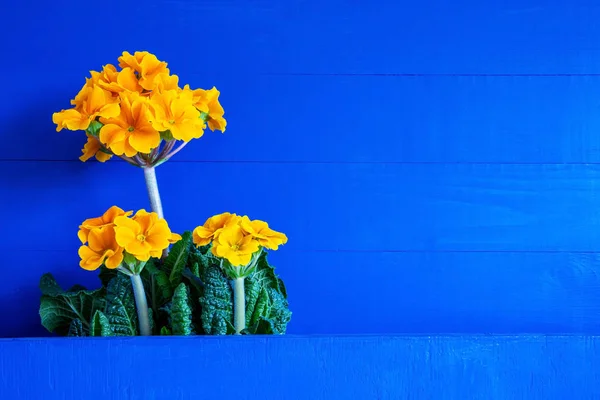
{"x": 435, "y": 164}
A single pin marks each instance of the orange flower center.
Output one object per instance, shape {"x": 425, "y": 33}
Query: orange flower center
{"x": 172, "y": 122}
{"x": 141, "y": 238}
{"x": 130, "y": 129}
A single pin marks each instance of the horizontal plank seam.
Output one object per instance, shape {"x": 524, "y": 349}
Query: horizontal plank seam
{"x": 25, "y": 160}
{"x": 380, "y": 251}
{"x": 409, "y": 74}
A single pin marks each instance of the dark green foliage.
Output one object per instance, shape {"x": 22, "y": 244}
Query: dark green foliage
{"x": 120, "y": 306}
{"x": 100, "y": 325}
{"x": 177, "y": 260}
{"x": 58, "y": 308}
{"x": 267, "y": 309}
{"x": 187, "y": 294}
{"x": 216, "y": 301}
{"x": 76, "y": 328}
{"x": 181, "y": 312}
{"x": 158, "y": 291}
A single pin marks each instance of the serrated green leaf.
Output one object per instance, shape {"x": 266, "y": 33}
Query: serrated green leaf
{"x": 49, "y": 286}
{"x": 266, "y": 301}
{"x": 263, "y": 326}
{"x": 120, "y": 306}
{"x": 177, "y": 259}
{"x": 100, "y": 325}
{"x": 181, "y": 312}
{"x": 157, "y": 285}
{"x": 280, "y": 314}
{"x": 76, "y": 328}
{"x": 263, "y": 307}
{"x": 216, "y": 302}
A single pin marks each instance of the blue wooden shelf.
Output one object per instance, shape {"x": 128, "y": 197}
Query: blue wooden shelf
{"x": 303, "y": 367}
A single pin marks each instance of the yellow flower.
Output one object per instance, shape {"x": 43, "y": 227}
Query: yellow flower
{"x": 235, "y": 246}
{"x": 207, "y": 101}
{"x": 145, "y": 235}
{"x": 118, "y": 81}
{"x": 167, "y": 82}
{"x": 92, "y": 148}
{"x": 174, "y": 111}
{"x": 95, "y": 102}
{"x": 204, "y": 234}
{"x": 105, "y": 220}
{"x": 101, "y": 249}
{"x": 265, "y": 236}
{"x": 130, "y": 132}
{"x": 146, "y": 65}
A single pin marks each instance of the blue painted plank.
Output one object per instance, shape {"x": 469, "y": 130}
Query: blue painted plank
{"x": 360, "y": 207}
{"x": 362, "y": 367}
{"x": 334, "y": 36}
{"x": 378, "y": 292}
{"x": 393, "y": 119}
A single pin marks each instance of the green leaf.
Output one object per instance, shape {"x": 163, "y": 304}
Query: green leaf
{"x": 166, "y": 135}
{"x": 120, "y": 306}
{"x": 100, "y": 325}
{"x": 49, "y": 286}
{"x": 181, "y": 312}
{"x": 106, "y": 275}
{"x": 177, "y": 259}
{"x": 76, "y": 328}
{"x": 94, "y": 128}
{"x": 76, "y": 288}
{"x": 157, "y": 286}
{"x": 216, "y": 301}
{"x": 58, "y": 309}
{"x": 267, "y": 309}
{"x": 164, "y": 331}
{"x": 193, "y": 278}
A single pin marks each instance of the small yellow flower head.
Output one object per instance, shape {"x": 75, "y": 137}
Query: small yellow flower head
{"x": 147, "y": 66}
{"x": 93, "y": 148}
{"x": 101, "y": 249}
{"x": 174, "y": 111}
{"x": 118, "y": 81}
{"x": 207, "y": 101}
{"x": 107, "y": 219}
{"x": 130, "y": 132}
{"x": 132, "y": 110}
{"x": 204, "y": 234}
{"x": 235, "y": 245}
{"x": 145, "y": 235}
{"x": 95, "y": 102}
{"x": 265, "y": 236}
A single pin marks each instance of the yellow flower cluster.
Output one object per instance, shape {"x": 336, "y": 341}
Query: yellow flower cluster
{"x": 236, "y": 238}
{"x": 137, "y": 107}
{"x": 105, "y": 239}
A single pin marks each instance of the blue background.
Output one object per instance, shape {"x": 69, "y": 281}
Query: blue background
{"x": 435, "y": 165}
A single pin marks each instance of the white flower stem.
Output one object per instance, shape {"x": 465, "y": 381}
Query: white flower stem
{"x": 153, "y": 194}
{"x": 141, "y": 304}
{"x": 239, "y": 305}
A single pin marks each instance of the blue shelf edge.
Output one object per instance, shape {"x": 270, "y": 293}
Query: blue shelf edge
{"x": 303, "y": 367}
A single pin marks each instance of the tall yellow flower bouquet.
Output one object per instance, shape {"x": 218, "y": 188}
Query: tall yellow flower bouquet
{"x": 214, "y": 280}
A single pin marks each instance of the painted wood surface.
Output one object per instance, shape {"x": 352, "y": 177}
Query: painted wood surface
{"x": 393, "y": 367}
{"x": 450, "y": 150}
